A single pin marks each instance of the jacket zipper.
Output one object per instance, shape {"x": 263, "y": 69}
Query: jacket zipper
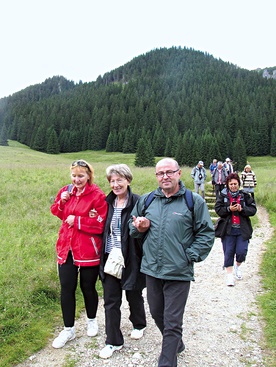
{"x": 94, "y": 245}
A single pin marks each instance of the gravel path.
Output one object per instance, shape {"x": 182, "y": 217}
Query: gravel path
{"x": 221, "y": 324}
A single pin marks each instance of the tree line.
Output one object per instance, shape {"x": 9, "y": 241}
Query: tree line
{"x": 174, "y": 102}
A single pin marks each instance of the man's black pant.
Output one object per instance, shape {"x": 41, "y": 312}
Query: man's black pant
{"x": 167, "y": 300}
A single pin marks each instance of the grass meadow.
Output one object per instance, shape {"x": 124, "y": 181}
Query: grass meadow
{"x": 29, "y": 286}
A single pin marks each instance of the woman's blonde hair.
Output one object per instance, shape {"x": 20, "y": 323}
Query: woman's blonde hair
{"x": 81, "y": 163}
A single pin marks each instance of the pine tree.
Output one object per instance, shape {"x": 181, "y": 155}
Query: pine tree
{"x": 129, "y": 146}
{"x": 109, "y": 143}
{"x": 159, "y": 139}
{"x": 180, "y": 151}
{"x": 144, "y": 155}
{"x": 4, "y": 136}
{"x": 39, "y": 140}
{"x": 239, "y": 153}
{"x": 53, "y": 144}
{"x": 273, "y": 142}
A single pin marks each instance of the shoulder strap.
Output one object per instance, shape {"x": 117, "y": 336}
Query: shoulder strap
{"x": 147, "y": 202}
{"x": 190, "y": 203}
{"x": 189, "y": 200}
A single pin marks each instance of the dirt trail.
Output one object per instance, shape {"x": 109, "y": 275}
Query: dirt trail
{"x": 222, "y": 326}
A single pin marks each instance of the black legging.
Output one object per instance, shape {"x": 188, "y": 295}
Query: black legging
{"x": 68, "y": 276}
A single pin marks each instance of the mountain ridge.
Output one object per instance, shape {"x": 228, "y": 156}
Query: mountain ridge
{"x": 173, "y": 98}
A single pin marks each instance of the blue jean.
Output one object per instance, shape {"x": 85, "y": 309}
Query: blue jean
{"x": 167, "y": 300}
{"x": 234, "y": 244}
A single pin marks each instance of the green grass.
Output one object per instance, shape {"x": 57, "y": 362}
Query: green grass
{"x": 265, "y": 169}
{"x": 29, "y": 286}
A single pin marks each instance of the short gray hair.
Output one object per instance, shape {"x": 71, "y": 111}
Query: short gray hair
{"x": 168, "y": 160}
{"x": 119, "y": 169}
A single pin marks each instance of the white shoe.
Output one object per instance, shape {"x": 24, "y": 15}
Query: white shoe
{"x": 230, "y": 280}
{"x": 108, "y": 350}
{"x": 65, "y": 336}
{"x": 137, "y": 334}
{"x": 238, "y": 272}
{"x": 92, "y": 327}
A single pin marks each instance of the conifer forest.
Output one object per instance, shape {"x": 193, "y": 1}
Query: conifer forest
{"x": 174, "y": 102}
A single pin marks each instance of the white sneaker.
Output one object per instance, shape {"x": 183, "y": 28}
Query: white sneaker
{"x": 137, "y": 334}
{"x": 65, "y": 336}
{"x": 92, "y": 327}
{"x": 230, "y": 280}
{"x": 238, "y": 272}
{"x": 108, "y": 350}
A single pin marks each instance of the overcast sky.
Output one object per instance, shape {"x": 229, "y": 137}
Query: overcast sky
{"x": 82, "y": 39}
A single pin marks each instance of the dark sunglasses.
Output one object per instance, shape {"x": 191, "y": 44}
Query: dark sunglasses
{"x": 81, "y": 164}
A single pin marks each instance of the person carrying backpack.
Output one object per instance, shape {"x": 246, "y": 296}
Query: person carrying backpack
{"x": 219, "y": 178}
{"x": 175, "y": 237}
{"x": 199, "y": 176}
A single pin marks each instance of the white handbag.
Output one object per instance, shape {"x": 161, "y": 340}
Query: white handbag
{"x": 115, "y": 263}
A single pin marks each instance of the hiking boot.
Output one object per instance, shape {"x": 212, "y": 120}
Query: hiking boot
{"x": 108, "y": 350}
{"x": 92, "y": 327}
{"x": 67, "y": 334}
{"x": 137, "y": 333}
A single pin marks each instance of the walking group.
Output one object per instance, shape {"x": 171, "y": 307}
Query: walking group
{"x": 131, "y": 242}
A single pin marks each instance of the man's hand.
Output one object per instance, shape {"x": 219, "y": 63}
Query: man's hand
{"x": 141, "y": 223}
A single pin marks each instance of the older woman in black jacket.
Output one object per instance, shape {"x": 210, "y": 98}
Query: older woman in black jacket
{"x": 235, "y": 206}
{"x": 121, "y": 201}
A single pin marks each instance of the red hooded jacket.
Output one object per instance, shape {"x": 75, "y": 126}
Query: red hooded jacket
{"x": 84, "y": 238}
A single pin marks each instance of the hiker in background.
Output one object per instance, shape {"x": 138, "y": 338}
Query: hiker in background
{"x": 212, "y": 167}
{"x": 199, "y": 176}
{"x": 121, "y": 201}
{"x": 235, "y": 206}
{"x": 79, "y": 246}
{"x": 219, "y": 178}
{"x": 175, "y": 237}
{"x": 249, "y": 180}
{"x": 228, "y": 166}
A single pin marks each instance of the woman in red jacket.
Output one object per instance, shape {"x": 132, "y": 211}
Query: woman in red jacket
{"x": 79, "y": 246}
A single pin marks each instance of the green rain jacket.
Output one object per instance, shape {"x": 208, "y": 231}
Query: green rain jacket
{"x": 175, "y": 240}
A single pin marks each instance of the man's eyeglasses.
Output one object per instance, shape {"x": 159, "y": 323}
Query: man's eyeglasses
{"x": 81, "y": 164}
{"x": 169, "y": 173}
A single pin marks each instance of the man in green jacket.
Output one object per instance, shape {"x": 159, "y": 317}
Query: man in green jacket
{"x": 174, "y": 238}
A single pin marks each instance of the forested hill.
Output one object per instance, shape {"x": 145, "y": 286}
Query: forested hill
{"x": 183, "y": 103}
